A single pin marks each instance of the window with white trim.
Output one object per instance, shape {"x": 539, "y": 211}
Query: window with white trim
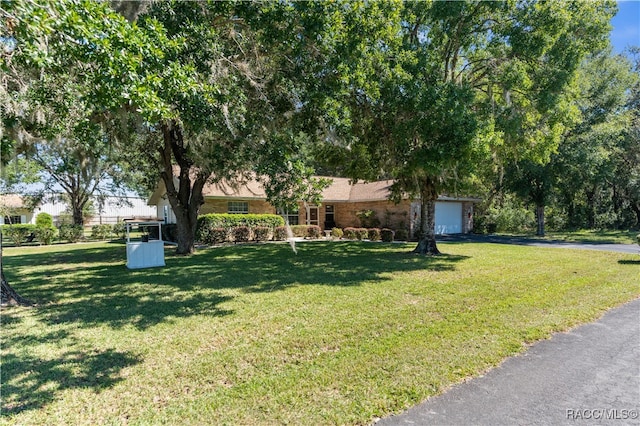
{"x": 238, "y": 207}
{"x": 12, "y": 220}
{"x": 290, "y": 216}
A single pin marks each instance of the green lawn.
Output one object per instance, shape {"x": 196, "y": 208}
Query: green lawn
{"x": 341, "y": 333}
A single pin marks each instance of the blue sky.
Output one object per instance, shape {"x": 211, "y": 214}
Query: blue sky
{"x": 626, "y": 25}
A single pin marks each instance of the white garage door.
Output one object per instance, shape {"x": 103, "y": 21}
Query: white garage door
{"x": 448, "y": 218}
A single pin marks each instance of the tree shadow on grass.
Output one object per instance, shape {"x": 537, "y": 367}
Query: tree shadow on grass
{"x": 629, "y": 262}
{"x": 337, "y": 264}
{"x": 89, "y": 286}
{"x": 93, "y": 286}
{"x": 30, "y": 383}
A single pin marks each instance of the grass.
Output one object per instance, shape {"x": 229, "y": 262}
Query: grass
{"x": 341, "y": 333}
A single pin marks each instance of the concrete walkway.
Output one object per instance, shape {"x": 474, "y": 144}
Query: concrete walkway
{"x": 587, "y": 376}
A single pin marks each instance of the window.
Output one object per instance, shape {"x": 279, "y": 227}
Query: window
{"x": 290, "y": 216}
{"x": 12, "y": 220}
{"x": 238, "y": 207}
{"x": 329, "y": 218}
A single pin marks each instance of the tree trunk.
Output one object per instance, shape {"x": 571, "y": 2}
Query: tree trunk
{"x": 540, "y": 220}
{"x": 186, "y": 223}
{"x": 591, "y": 209}
{"x": 187, "y": 198}
{"x": 636, "y": 209}
{"x": 78, "y": 218}
{"x": 8, "y": 296}
{"x": 427, "y": 233}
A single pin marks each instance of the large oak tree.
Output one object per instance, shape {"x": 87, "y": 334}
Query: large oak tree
{"x": 471, "y": 81}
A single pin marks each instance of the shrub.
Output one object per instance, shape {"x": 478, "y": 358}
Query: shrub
{"x": 401, "y": 235}
{"x": 71, "y": 233}
{"x": 362, "y": 233}
{"x": 350, "y": 233}
{"x": 120, "y": 230}
{"x": 313, "y": 231}
{"x": 374, "y": 234}
{"x": 638, "y": 237}
{"x": 337, "y": 233}
{"x": 44, "y": 220}
{"x": 44, "y": 231}
{"x": 218, "y": 236}
{"x": 262, "y": 233}
{"x": 208, "y": 222}
{"x": 203, "y": 232}
{"x": 280, "y": 233}
{"x": 18, "y": 233}
{"x": 101, "y": 232}
{"x": 46, "y": 235}
{"x": 510, "y": 217}
{"x": 386, "y": 235}
{"x": 241, "y": 234}
{"x": 299, "y": 230}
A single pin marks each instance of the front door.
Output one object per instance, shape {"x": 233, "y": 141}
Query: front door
{"x": 312, "y": 218}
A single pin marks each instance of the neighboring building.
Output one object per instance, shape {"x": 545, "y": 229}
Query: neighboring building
{"x": 340, "y": 203}
{"x": 14, "y": 210}
{"x": 113, "y": 210}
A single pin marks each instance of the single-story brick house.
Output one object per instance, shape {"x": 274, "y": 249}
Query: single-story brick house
{"x": 340, "y": 203}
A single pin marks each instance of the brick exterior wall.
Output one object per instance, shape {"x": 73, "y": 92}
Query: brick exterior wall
{"x": 467, "y": 217}
{"x": 389, "y": 215}
{"x": 221, "y": 206}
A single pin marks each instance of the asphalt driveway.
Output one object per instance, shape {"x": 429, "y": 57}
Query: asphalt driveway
{"x": 587, "y": 376}
{"x": 499, "y": 239}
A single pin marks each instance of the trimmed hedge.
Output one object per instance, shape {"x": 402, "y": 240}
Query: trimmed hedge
{"x": 299, "y": 230}
{"x": 337, "y": 233}
{"x": 241, "y": 234}
{"x": 261, "y": 233}
{"x": 280, "y": 233}
{"x": 306, "y": 231}
{"x": 208, "y": 222}
{"x": 387, "y": 235}
{"x": 313, "y": 231}
{"x": 220, "y": 235}
{"x": 18, "y": 233}
{"x": 374, "y": 234}
{"x": 350, "y": 233}
{"x": 362, "y": 233}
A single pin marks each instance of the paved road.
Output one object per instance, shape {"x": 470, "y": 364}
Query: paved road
{"x": 499, "y": 239}
{"x": 588, "y": 376}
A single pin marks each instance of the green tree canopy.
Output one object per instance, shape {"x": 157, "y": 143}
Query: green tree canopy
{"x": 470, "y": 81}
